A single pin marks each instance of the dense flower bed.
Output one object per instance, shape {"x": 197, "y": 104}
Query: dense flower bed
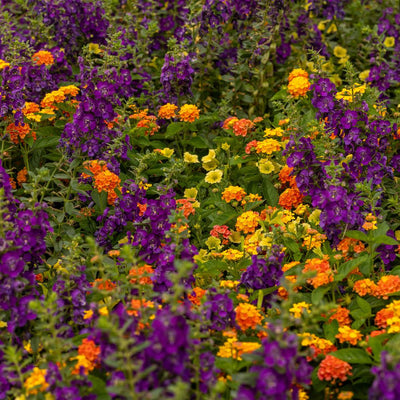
{"x": 199, "y": 200}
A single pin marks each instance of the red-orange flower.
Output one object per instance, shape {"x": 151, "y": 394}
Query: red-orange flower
{"x": 19, "y": 132}
{"x": 242, "y": 127}
{"x": 332, "y": 369}
{"x": 290, "y": 198}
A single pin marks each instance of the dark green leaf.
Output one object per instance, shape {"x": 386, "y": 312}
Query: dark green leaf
{"x": 353, "y": 356}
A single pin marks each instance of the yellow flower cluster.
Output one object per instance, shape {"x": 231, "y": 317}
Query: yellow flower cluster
{"x": 268, "y": 146}
{"x": 313, "y": 239}
{"x": 36, "y": 381}
{"x": 232, "y": 254}
{"x": 273, "y": 132}
{"x": 232, "y": 348}
{"x": 298, "y": 83}
{"x": 247, "y": 222}
{"x": 233, "y": 193}
{"x": 350, "y": 94}
{"x": 229, "y": 284}
{"x": 346, "y": 334}
{"x": 341, "y": 53}
{"x": 309, "y": 339}
{"x": 3, "y": 64}
{"x": 299, "y": 309}
{"x": 265, "y": 166}
{"x": 58, "y": 96}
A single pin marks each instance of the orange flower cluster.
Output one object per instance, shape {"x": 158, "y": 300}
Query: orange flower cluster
{"x": 233, "y": 193}
{"x": 247, "y": 316}
{"x": 189, "y": 113}
{"x": 382, "y": 316}
{"x": 242, "y": 127}
{"x": 19, "y": 132}
{"x": 232, "y": 348}
{"x": 313, "y": 239}
{"x": 317, "y": 344}
{"x": 386, "y": 285}
{"x": 145, "y": 121}
{"x": 323, "y": 269}
{"x": 286, "y": 177}
{"x": 22, "y": 176}
{"x": 103, "y": 179}
{"x": 186, "y": 207}
{"x": 36, "y": 381}
{"x": 346, "y": 334}
{"x": 298, "y": 83}
{"x": 141, "y": 275}
{"x": 332, "y": 369}
{"x": 137, "y": 304}
{"x": 370, "y": 222}
{"x": 248, "y": 222}
{"x": 389, "y": 317}
{"x": 167, "y": 111}
{"x": 341, "y": 315}
{"x": 290, "y": 198}
{"x": 348, "y": 246}
{"x": 197, "y": 295}
{"x": 221, "y": 230}
{"x": 43, "y": 57}
{"x": 250, "y": 146}
{"x": 102, "y": 284}
{"x": 251, "y": 198}
{"x": 88, "y": 357}
{"x": 58, "y": 96}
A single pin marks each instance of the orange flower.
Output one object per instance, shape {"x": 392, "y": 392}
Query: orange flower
{"x": 291, "y": 197}
{"x": 107, "y": 181}
{"x": 187, "y": 207}
{"x": 331, "y": 369}
{"x": 12, "y": 183}
{"x": 242, "y": 127}
{"x": 43, "y": 57}
{"x": 323, "y": 269}
{"x": 89, "y": 349}
{"x": 19, "y": 132}
{"x": 286, "y": 177}
{"x": 250, "y": 146}
{"x": 197, "y": 295}
{"x": 167, "y": 111}
{"x": 247, "y": 222}
{"x": 150, "y": 123}
{"x": 382, "y": 316}
{"x": 141, "y": 274}
{"x": 298, "y": 83}
{"x": 386, "y": 285}
{"x": 22, "y": 176}
{"x": 228, "y": 123}
{"x": 349, "y": 245}
{"x": 142, "y": 208}
{"x": 189, "y": 113}
{"x": 233, "y": 193}
{"x": 247, "y": 316}
{"x": 102, "y": 284}
{"x": 341, "y": 314}
{"x": 95, "y": 167}
{"x": 137, "y": 304}
{"x": 364, "y": 286}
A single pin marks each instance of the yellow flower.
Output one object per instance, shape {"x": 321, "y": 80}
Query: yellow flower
{"x": 213, "y": 243}
{"x": 36, "y": 381}
{"x": 167, "y": 152}
{"x": 314, "y": 217}
{"x": 268, "y": 146}
{"x": 3, "y": 64}
{"x": 87, "y": 314}
{"x": 265, "y": 166}
{"x": 190, "y": 158}
{"x": 94, "y": 48}
{"x": 103, "y": 311}
{"x": 299, "y": 308}
{"x": 332, "y": 28}
{"x": 340, "y": 52}
{"x": 190, "y": 193}
{"x": 214, "y": 176}
{"x": 364, "y": 75}
{"x": 209, "y": 166}
{"x": 343, "y": 60}
{"x": 225, "y": 146}
{"x": 389, "y": 41}
{"x": 209, "y": 157}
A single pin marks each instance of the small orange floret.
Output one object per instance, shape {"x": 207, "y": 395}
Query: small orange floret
{"x": 43, "y": 57}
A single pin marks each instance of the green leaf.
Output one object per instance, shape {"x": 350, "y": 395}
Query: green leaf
{"x": 357, "y": 235}
{"x": 99, "y": 387}
{"x": 270, "y": 193}
{"x": 331, "y": 330}
{"x": 348, "y": 266}
{"x": 318, "y": 294}
{"x": 317, "y": 384}
{"x": 197, "y": 142}
{"x": 383, "y": 239}
{"x": 364, "y": 305}
{"x": 173, "y": 129}
{"x": 353, "y": 356}
{"x": 49, "y": 141}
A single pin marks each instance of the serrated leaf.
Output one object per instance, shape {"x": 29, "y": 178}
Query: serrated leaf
{"x": 364, "y": 306}
{"x": 353, "y": 356}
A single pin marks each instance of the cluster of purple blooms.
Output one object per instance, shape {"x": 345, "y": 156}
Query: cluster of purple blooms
{"x": 386, "y": 384}
{"x": 364, "y": 140}
{"x": 146, "y": 231}
{"x": 264, "y": 273}
{"x": 276, "y": 372}
{"x": 22, "y": 245}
